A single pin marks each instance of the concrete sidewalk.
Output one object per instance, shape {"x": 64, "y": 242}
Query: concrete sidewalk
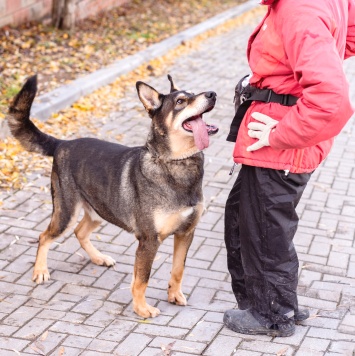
{"x": 86, "y": 309}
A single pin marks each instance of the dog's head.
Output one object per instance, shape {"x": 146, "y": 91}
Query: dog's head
{"x": 177, "y": 120}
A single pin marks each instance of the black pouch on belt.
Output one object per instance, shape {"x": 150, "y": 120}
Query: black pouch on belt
{"x": 245, "y": 94}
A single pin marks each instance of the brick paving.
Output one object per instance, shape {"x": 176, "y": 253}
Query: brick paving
{"x": 86, "y": 309}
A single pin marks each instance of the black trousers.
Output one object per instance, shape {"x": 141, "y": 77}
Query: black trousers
{"x": 260, "y": 223}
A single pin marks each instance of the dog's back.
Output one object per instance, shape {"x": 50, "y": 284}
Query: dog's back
{"x": 124, "y": 185}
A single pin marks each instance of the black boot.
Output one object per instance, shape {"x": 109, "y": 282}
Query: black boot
{"x": 300, "y": 314}
{"x": 242, "y": 321}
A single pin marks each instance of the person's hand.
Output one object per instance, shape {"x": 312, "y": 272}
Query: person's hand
{"x": 260, "y": 130}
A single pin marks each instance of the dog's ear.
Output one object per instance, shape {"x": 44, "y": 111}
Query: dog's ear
{"x": 172, "y": 85}
{"x": 150, "y": 98}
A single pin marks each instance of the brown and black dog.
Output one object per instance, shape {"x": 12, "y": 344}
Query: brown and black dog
{"x": 153, "y": 190}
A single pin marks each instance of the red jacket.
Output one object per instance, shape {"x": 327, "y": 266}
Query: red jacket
{"x": 298, "y": 49}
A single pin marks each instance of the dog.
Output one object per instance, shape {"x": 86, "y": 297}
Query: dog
{"x": 152, "y": 191}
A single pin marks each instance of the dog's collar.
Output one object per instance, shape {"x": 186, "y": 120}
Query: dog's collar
{"x": 169, "y": 159}
{"x": 194, "y": 153}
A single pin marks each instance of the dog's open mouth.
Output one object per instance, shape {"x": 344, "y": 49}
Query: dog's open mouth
{"x": 200, "y": 130}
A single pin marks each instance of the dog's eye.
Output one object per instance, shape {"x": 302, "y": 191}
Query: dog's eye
{"x": 179, "y": 101}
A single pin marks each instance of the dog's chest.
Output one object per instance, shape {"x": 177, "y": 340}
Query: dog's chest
{"x": 176, "y": 221}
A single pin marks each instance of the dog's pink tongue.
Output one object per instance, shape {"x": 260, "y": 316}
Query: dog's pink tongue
{"x": 200, "y": 132}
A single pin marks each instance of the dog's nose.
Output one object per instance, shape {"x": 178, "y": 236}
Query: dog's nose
{"x": 210, "y": 94}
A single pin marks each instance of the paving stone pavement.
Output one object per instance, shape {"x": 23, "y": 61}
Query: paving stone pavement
{"x": 86, "y": 309}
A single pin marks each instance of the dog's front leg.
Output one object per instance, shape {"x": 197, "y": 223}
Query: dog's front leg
{"x": 181, "y": 246}
{"x": 145, "y": 255}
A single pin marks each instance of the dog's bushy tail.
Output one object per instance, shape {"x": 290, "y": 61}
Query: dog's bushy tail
{"x": 22, "y": 128}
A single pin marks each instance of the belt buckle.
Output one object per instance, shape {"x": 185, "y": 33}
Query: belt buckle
{"x": 244, "y": 96}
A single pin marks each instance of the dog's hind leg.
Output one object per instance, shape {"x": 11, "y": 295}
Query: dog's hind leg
{"x": 40, "y": 272}
{"x": 83, "y": 231}
{"x": 65, "y": 211}
{"x": 145, "y": 255}
{"x": 181, "y": 247}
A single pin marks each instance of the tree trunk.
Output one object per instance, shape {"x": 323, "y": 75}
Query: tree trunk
{"x": 63, "y": 14}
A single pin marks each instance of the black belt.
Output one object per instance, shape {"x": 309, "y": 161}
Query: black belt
{"x": 264, "y": 95}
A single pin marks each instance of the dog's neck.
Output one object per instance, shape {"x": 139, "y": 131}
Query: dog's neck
{"x": 159, "y": 148}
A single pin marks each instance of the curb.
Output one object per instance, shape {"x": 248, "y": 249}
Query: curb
{"x": 66, "y": 95}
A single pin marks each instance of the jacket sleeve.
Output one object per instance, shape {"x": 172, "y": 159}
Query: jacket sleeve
{"x": 324, "y": 107}
{"x": 350, "y": 37}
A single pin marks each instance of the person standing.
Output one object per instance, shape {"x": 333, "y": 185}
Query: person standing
{"x": 297, "y": 101}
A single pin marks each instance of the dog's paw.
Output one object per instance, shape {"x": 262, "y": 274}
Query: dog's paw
{"x": 103, "y": 260}
{"x": 40, "y": 275}
{"x": 176, "y": 297}
{"x": 146, "y": 311}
